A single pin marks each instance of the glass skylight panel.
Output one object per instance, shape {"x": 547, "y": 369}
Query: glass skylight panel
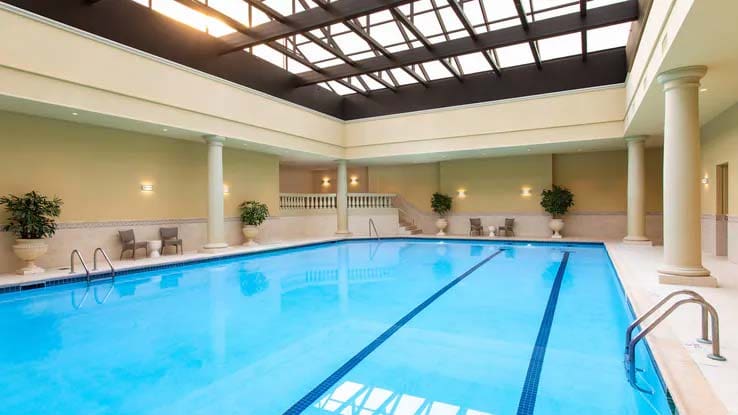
{"x": 592, "y": 4}
{"x": 436, "y": 70}
{"x": 428, "y": 24}
{"x": 296, "y": 67}
{"x": 473, "y": 63}
{"x": 547, "y": 4}
{"x": 328, "y": 63}
{"x": 380, "y": 17}
{"x": 340, "y": 89}
{"x": 450, "y": 20}
{"x": 258, "y": 17}
{"x": 363, "y": 55}
{"x": 315, "y": 53}
{"x": 498, "y": 10}
{"x": 269, "y": 55}
{"x": 371, "y": 83}
{"x": 560, "y": 46}
{"x": 608, "y": 37}
{"x": 284, "y": 7}
{"x": 422, "y": 5}
{"x": 351, "y": 43}
{"x": 473, "y": 12}
{"x": 142, "y": 2}
{"x": 190, "y": 17}
{"x": 514, "y": 55}
{"x": 235, "y": 9}
{"x": 403, "y": 78}
{"x": 386, "y": 33}
{"x": 398, "y": 48}
{"x": 556, "y": 12}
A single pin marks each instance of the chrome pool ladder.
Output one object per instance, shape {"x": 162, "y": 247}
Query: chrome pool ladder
{"x": 708, "y": 313}
{"x": 107, "y": 259}
{"x": 82, "y": 261}
{"x": 372, "y": 226}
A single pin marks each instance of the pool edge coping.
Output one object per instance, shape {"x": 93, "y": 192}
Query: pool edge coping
{"x": 691, "y": 392}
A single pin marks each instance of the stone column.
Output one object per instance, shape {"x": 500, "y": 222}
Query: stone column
{"x": 216, "y": 219}
{"x": 636, "y": 191}
{"x": 342, "y": 199}
{"x": 682, "y": 241}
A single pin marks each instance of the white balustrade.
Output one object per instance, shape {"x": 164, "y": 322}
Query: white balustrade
{"x": 327, "y": 201}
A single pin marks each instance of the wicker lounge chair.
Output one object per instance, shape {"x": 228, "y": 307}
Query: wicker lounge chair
{"x": 170, "y": 237}
{"x": 128, "y": 240}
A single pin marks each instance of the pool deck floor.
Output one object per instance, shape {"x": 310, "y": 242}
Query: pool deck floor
{"x": 698, "y": 385}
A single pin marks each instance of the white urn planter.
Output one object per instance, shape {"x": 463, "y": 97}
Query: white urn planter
{"x": 556, "y": 226}
{"x": 250, "y": 232}
{"x": 29, "y": 250}
{"x": 441, "y": 224}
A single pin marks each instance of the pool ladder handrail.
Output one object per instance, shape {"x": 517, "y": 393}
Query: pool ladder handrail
{"x": 372, "y": 226}
{"x": 107, "y": 259}
{"x": 81, "y": 260}
{"x": 707, "y": 310}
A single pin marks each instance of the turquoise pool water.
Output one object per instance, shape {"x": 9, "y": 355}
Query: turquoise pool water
{"x": 403, "y": 327}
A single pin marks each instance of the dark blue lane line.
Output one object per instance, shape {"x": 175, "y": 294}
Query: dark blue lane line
{"x": 331, "y": 380}
{"x": 532, "y": 378}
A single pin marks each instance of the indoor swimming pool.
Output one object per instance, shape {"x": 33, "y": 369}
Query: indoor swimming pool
{"x": 362, "y": 327}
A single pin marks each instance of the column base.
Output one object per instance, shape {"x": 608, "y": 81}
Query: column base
{"x": 637, "y": 240}
{"x": 343, "y": 233}
{"x": 696, "y": 276}
{"x": 213, "y": 248}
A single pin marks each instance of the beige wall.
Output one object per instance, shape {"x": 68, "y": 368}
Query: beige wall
{"x": 295, "y": 179}
{"x": 495, "y": 184}
{"x": 720, "y": 145}
{"x": 98, "y": 171}
{"x": 414, "y": 182}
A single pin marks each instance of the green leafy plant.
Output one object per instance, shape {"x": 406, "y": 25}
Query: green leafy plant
{"x": 32, "y": 215}
{"x": 557, "y": 201}
{"x": 441, "y": 203}
{"x": 253, "y": 213}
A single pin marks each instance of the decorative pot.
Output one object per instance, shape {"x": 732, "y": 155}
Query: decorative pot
{"x": 441, "y": 224}
{"x": 29, "y": 250}
{"x": 556, "y": 225}
{"x": 250, "y": 232}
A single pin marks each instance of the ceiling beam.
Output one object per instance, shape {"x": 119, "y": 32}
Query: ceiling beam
{"x": 557, "y": 26}
{"x": 335, "y": 12}
{"x": 457, "y": 8}
{"x": 526, "y": 27}
{"x": 583, "y": 13}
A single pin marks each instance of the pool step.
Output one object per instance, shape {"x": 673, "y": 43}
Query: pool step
{"x": 409, "y": 229}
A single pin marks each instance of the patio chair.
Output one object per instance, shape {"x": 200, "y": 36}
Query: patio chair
{"x": 507, "y": 228}
{"x": 128, "y": 240}
{"x": 170, "y": 237}
{"x": 475, "y": 226}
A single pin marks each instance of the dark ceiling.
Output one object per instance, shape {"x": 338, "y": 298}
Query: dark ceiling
{"x": 468, "y": 56}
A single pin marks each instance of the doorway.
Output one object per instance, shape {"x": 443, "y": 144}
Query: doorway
{"x": 721, "y": 210}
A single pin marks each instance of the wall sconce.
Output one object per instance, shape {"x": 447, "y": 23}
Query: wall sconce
{"x": 226, "y": 189}
{"x": 326, "y": 181}
{"x": 462, "y": 194}
{"x": 354, "y": 180}
{"x": 147, "y": 187}
{"x": 525, "y": 192}
{"x": 705, "y": 180}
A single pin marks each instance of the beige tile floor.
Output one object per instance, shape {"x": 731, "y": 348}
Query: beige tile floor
{"x": 699, "y": 385}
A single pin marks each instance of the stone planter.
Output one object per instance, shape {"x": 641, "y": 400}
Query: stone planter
{"x": 441, "y": 224}
{"x": 556, "y": 226}
{"x": 29, "y": 250}
{"x": 250, "y": 232}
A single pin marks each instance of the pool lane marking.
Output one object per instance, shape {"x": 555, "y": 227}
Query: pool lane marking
{"x": 331, "y": 380}
{"x": 532, "y": 378}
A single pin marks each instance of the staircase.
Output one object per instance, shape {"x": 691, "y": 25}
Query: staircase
{"x": 407, "y": 228}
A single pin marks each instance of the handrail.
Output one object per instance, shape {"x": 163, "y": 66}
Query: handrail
{"x": 107, "y": 259}
{"x": 407, "y": 215}
{"x": 704, "y": 339}
{"x": 715, "y": 355}
{"x": 373, "y": 226}
{"x": 82, "y": 261}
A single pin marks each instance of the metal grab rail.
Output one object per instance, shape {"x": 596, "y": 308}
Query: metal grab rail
{"x": 107, "y": 259}
{"x": 704, "y": 339}
{"x": 695, "y": 299}
{"x": 372, "y": 226}
{"x": 82, "y": 261}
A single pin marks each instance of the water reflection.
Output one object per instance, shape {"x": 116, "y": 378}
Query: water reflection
{"x": 252, "y": 282}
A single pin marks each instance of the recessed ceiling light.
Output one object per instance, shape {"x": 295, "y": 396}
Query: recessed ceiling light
{"x": 703, "y": 89}
{"x": 75, "y": 114}
{"x": 165, "y": 129}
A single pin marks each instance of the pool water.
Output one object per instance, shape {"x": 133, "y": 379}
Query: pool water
{"x": 403, "y": 327}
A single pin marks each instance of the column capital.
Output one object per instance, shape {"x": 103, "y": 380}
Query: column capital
{"x": 214, "y": 140}
{"x": 685, "y": 76}
{"x": 636, "y": 139}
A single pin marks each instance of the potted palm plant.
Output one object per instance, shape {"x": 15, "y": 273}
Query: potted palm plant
{"x": 441, "y": 204}
{"x": 253, "y": 214}
{"x": 557, "y": 201}
{"x": 31, "y": 219}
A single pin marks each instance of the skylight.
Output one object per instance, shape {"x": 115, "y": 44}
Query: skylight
{"x": 334, "y": 54}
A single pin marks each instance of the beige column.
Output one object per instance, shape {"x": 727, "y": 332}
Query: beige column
{"x": 216, "y": 219}
{"x": 636, "y": 191}
{"x": 682, "y": 241}
{"x": 342, "y": 199}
